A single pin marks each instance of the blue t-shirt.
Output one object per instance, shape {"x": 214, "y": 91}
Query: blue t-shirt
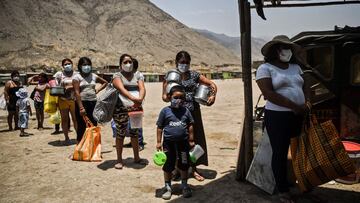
{"x": 174, "y": 123}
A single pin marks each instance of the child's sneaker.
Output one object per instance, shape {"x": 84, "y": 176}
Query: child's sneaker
{"x": 186, "y": 192}
{"x": 167, "y": 193}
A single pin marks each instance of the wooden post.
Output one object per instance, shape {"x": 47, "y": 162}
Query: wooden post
{"x": 246, "y": 141}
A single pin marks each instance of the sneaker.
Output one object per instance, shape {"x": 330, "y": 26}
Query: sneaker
{"x": 186, "y": 192}
{"x": 167, "y": 193}
{"x": 141, "y": 147}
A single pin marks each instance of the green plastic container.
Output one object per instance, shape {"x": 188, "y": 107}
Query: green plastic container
{"x": 159, "y": 158}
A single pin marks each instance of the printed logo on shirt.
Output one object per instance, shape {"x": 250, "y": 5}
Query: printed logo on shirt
{"x": 176, "y": 124}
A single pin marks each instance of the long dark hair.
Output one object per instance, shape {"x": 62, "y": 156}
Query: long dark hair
{"x": 135, "y": 64}
{"x": 182, "y": 54}
{"x": 81, "y": 62}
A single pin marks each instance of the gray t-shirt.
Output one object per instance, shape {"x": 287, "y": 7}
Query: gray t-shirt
{"x": 87, "y": 86}
{"x": 130, "y": 84}
{"x": 174, "y": 123}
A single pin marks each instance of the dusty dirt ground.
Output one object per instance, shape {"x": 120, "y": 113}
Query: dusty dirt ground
{"x": 38, "y": 168}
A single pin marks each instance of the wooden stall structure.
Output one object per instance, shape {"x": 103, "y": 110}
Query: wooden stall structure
{"x": 245, "y": 155}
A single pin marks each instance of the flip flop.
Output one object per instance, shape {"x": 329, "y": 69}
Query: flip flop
{"x": 119, "y": 166}
{"x": 198, "y": 177}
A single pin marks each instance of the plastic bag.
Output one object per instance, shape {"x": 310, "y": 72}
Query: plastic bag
{"x": 105, "y": 105}
{"x": 55, "y": 118}
{"x": 319, "y": 148}
{"x": 50, "y": 103}
{"x": 89, "y": 148}
{"x": 2, "y": 102}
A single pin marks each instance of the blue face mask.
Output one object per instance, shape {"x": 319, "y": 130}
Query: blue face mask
{"x": 176, "y": 103}
{"x": 86, "y": 69}
{"x": 68, "y": 68}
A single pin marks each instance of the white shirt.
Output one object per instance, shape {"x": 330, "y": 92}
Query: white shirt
{"x": 65, "y": 81}
{"x": 286, "y": 82}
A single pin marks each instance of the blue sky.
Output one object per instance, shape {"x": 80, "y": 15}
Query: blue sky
{"x": 221, "y": 16}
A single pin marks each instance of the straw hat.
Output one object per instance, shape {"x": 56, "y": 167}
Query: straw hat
{"x": 22, "y": 93}
{"x": 279, "y": 39}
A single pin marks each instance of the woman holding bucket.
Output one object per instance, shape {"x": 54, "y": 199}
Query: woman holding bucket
{"x": 85, "y": 93}
{"x": 190, "y": 80}
{"x": 67, "y": 101}
{"x": 131, "y": 86}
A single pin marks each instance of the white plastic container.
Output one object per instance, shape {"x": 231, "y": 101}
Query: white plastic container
{"x": 196, "y": 153}
{"x": 127, "y": 102}
{"x": 135, "y": 118}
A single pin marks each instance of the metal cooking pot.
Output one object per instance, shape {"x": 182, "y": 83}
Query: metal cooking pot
{"x": 57, "y": 91}
{"x": 202, "y": 94}
{"x": 173, "y": 76}
{"x": 171, "y": 85}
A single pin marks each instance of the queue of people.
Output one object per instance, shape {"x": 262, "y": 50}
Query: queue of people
{"x": 179, "y": 126}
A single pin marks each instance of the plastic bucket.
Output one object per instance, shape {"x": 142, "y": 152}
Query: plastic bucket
{"x": 135, "y": 118}
{"x": 159, "y": 158}
{"x": 353, "y": 150}
{"x": 196, "y": 153}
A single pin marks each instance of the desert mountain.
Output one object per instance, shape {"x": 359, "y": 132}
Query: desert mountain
{"x": 34, "y": 33}
{"x": 233, "y": 43}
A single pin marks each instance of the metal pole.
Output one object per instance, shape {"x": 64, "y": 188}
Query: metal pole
{"x": 246, "y": 142}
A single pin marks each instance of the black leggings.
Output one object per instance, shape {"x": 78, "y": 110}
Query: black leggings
{"x": 89, "y": 108}
{"x": 281, "y": 126}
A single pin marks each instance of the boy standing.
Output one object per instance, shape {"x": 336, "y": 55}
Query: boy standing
{"x": 175, "y": 124}
{"x": 24, "y": 109}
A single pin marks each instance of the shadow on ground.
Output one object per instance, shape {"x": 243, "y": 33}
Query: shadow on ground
{"x": 128, "y": 163}
{"x": 62, "y": 143}
{"x": 227, "y": 189}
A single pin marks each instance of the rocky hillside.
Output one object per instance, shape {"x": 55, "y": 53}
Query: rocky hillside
{"x": 233, "y": 43}
{"x": 34, "y": 33}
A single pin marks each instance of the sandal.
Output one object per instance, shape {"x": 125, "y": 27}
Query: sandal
{"x": 119, "y": 166}
{"x": 198, "y": 177}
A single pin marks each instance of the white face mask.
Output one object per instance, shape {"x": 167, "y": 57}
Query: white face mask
{"x": 16, "y": 79}
{"x": 86, "y": 69}
{"x": 68, "y": 68}
{"x": 183, "y": 67}
{"x": 127, "y": 67}
{"x": 285, "y": 55}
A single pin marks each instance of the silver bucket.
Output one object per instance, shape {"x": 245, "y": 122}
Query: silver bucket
{"x": 173, "y": 76}
{"x": 202, "y": 94}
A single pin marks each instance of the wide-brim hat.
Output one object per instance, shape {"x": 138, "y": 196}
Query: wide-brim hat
{"x": 279, "y": 39}
{"x": 22, "y": 93}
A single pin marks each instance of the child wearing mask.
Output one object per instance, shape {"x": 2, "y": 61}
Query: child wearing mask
{"x": 24, "y": 109}
{"x": 175, "y": 126}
